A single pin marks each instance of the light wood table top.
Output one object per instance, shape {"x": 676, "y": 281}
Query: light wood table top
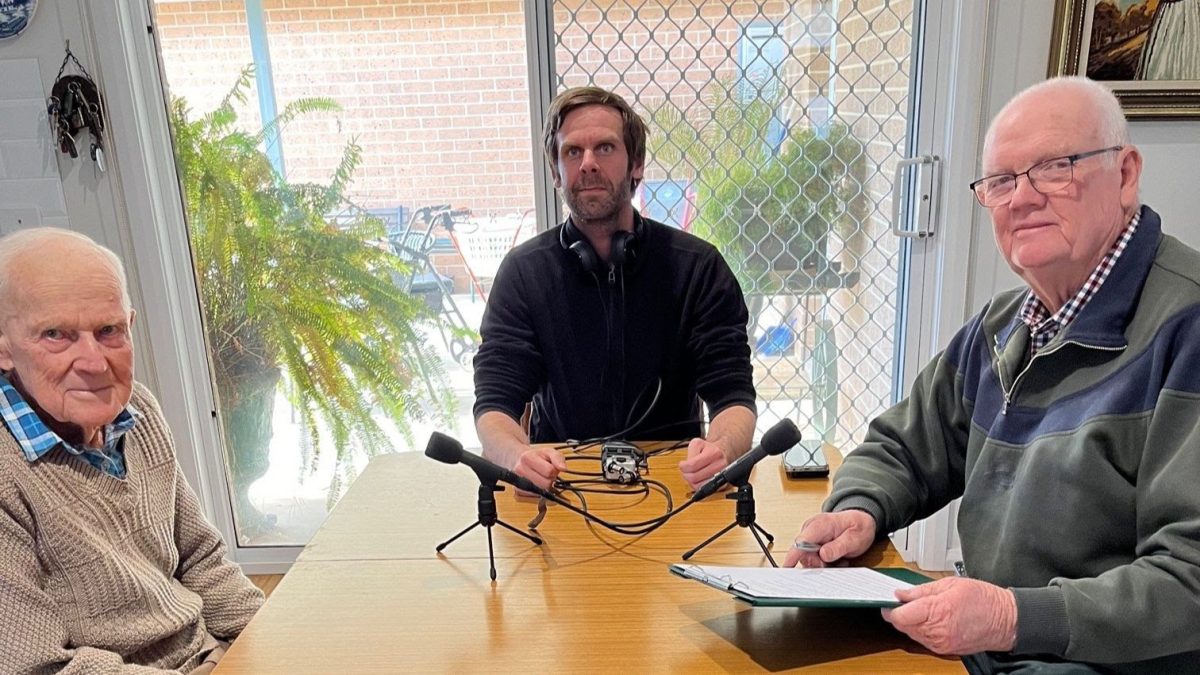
{"x": 369, "y": 594}
{"x": 403, "y": 505}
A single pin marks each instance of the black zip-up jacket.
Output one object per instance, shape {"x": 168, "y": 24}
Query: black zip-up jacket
{"x": 589, "y": 349}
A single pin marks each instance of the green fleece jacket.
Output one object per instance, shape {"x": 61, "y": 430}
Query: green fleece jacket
{"x": 1079, "y": 469}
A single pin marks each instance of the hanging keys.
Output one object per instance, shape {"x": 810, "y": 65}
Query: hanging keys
{"x": 95, "y": 120}
{"x": 66, "y": 143}
{"x": 98, "y": 156}
{"x": 52, "y": 109}
{"x": 67, "y": 107}
{"x": 74, "y": 104}
{"x": 75, "y": 118}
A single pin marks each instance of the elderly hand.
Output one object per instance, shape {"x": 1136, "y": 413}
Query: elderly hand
{"x": 845, "y": 534}
{"x": 704, "y": 460}
{"x": 540, "y": 465}
{"x": 957, "y": 616}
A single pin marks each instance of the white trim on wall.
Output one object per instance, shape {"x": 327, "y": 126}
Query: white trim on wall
{"x": 161, "y": 251}
{"x": 957, "y": 39}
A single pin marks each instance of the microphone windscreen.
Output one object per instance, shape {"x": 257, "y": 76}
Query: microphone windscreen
{"x": 444, "y": 448}
{"x": 780, "y": 437}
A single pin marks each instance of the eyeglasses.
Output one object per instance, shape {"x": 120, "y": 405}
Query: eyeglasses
{"x": 1046, "y": 177}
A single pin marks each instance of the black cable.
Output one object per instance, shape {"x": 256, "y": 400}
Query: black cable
{"x": 602, "y": 439}
{"x": 607, "y": 328}
{"x": 637, "y": 488}
{"x": 668, "y": 425}
{"x": 589, "y": 442}
{"x": 631, "y": 529}
{"x": 662, "y": 488}
{"x": 670, "y": 448}
{"x": 541, "y": 514}
{"x": 582, "y": 473}
{"x": 624, "y": 367}
{"x": 646, "y": 526}
{"x": 644, "y": 485}
{"x": 653, "y": 402}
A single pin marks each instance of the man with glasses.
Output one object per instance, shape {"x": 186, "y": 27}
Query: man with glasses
{"x": 1066, "y": 415}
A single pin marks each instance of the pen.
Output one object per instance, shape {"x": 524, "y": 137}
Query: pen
{"x": 806, "y": 546}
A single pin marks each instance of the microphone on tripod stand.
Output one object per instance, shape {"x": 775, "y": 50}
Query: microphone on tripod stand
{"x": 449, "y": 451}
{"x": 775, "y": 441}
{"x": 446, "y": 450}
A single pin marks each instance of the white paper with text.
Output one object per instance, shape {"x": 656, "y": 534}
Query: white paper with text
{"x": 817, "y": 583}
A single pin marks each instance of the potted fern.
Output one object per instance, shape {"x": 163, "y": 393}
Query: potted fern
{"x": 291, "y": 300}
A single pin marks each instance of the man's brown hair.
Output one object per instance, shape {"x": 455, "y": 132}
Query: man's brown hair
{"x": 632, "y": 126}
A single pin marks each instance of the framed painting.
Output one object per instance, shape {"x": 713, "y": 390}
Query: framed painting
{"x": 1147, "y": 51}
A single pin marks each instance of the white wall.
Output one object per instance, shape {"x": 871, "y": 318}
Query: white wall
{"x": 86, "y": 200}
{"x": 1172, "y": 153}
{"x": 92, "y": 202}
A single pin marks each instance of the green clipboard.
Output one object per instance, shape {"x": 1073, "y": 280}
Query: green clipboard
{"x": 899, "y": 573}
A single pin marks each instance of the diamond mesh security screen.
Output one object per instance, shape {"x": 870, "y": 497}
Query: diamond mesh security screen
{"x": 775, "y": 127}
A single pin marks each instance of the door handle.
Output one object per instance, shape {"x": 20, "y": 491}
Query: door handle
{"x": 928, "y": 186}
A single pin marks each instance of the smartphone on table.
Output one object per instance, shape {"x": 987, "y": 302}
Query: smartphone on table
{"x": 805, "y": 460}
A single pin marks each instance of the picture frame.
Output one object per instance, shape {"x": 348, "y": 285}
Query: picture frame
{"x": 1148, "y": 84}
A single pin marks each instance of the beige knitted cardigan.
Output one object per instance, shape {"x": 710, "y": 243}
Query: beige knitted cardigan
{"x": 101, "y": 575}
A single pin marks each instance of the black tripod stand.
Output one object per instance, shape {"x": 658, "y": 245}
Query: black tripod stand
{"x": 488, "y": 518}
{"x": 745, "y": 518}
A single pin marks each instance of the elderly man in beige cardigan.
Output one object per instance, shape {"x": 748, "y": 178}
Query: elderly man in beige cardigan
{"x": 107, "y": 564}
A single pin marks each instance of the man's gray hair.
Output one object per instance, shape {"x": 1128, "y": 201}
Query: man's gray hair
{"x": 13, "y": 246}
{"x": 1112, "y": 127}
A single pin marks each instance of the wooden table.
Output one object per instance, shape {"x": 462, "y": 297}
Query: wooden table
{"x": 369, "y": 594}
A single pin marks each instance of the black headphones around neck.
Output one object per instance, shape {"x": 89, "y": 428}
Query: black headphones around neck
{"x": 622, "y": 247}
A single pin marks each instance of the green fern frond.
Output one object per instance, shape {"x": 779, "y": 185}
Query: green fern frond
{"x": 298, "y": 108}
{"x": 287, "y": 293}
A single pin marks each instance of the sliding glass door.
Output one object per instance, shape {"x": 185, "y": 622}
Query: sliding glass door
{"x": 353, "y": 171}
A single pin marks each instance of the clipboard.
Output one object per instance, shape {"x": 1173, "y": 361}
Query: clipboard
{"x": 744, "y": 592}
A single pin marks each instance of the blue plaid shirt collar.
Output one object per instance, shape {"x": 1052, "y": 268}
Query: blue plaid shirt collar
{"x": 36, "y": 439}
{"x": 1043, "y": 325}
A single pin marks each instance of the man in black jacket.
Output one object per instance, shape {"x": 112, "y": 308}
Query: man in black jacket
{"x": 611, "y": 323}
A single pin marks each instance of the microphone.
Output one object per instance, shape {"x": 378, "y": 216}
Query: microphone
{"x": 449, "y": 451}
{"x": 775, "y": 441}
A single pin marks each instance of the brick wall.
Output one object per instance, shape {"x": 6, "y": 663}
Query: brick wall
{"x": 436, "y": 93}
{"x": 204, "y": 47}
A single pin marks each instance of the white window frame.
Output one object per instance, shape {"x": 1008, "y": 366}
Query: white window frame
{"x": 135, "y": 98}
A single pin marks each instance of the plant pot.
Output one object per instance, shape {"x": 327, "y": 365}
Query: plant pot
{"x": 248, "y": 432}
